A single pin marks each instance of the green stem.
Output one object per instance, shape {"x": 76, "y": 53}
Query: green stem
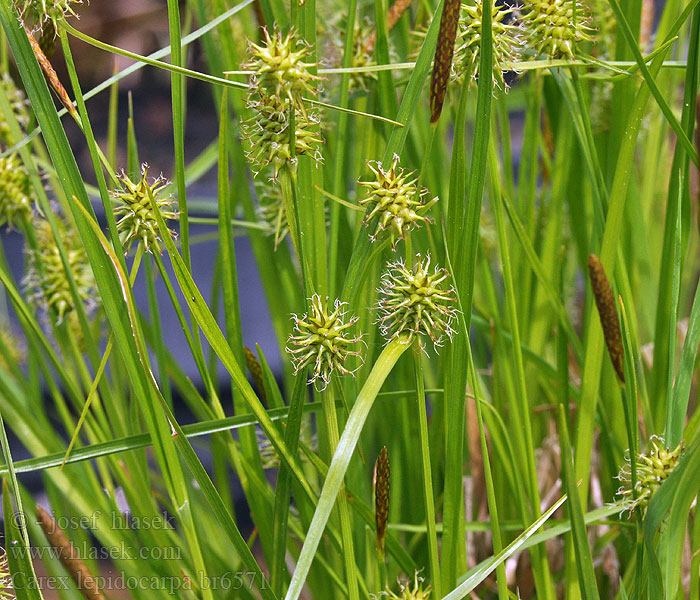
{"x": 341, "y": 459}
{"x": 346, "y": 527}
{"x": 427, "y": 472}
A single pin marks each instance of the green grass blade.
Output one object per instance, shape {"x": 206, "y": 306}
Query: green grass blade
{"x": 341, "y": 459}
{"x": 483, "y": 571}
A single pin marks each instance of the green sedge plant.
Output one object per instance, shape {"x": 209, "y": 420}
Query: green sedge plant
{"x": 475, "y": 229}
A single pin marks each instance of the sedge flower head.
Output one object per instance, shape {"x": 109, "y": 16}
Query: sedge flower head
{"x": 136, "y": 220}
{"x": 13, "y": 352}
{"x": 506, "y": 42}
{"x": 269, "y": 136}
{"x": 653, "y": 467}
{"x": 395, "y": 199}
{"x": 321, "y": 340}
{"x": 416, "y": 301}
{"x": 409, "y": 590}
{"x": 279, "y": 66}
{"x": 47, "y": 282}
{"x": 40, "y": 12}
{"x": 20, "y": 108}
{"x": 362, "y": 55}
{"x": 16, "y": 192}
{"x": 271, "y": 211}
{"x": 551, "y": 28}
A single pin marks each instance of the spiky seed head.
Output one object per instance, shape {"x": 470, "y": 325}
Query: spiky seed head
{"x": 363, "y": 42}
{"x": 46, "y": 281}
{"x": 268, "y": 133}
{"x": 268, "y": 453}
{"x": 416, "y": 301}
{"x": 506, "y": 42}
{"x": 395, "y": 199}
{"x": 13, "y": 352}
{"x": 409, "y": 590}
{"x": 551, "y": 29}
{"x": 271, "y": 211}
{"x": 16, "y": 192}
{"x": 279, "y": 66}
{"x": 321, "y": 340}
{"x": 42, "y": 12}
{"x": 20, "y": 107}
{"x": 653, "y": 467}
{"x": 136, "y": 220}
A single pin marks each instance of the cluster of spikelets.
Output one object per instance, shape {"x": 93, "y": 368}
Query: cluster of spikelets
{"x": 394, "y": 199}
{"x": 20, "y": 109}
{"x": 409, "y": 590}
{"x": 507, "y": 42}
{"x": 12, "y": 352}
{"x": 47, "y": 280}
{"x": 539, "y": 28}
{"x": 271, "y": 211}
{"x": 552, "y": 27}
{"x": 16, "y": 192}
{"x": 38, "y": 13}
{"x": 362, "y": 52}
{"x": 362, "y": 55}
{"x": 136, "y": 219}
{"x": 415, "y": 301}
{"x": 653, "y": 468}
{"x": 322, "y": 342}
{"x": 281, "y": 127}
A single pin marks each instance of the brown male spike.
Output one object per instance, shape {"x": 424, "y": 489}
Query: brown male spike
{"x": 382, "y": 479}
{"x": 443, "y": 57}
{"x": 51, "y": 76}
{"x": 256, "y": 371}
{"x": 605, "y": 301}
{"x": 69, "y": 556}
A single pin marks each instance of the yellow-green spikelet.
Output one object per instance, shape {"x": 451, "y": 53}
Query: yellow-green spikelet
{"x": 16, "y": 192}
{"x": 136, "y": 220}
{"x": 394, "y": 199}
{"x": 653, "y": 468}
{"x": 416, "y": 591}
{"x": 40, "y": 12}
{"x": 268, "y": 133}
{"x": 321, "y": 340}
{"x": 279, "y": 66}
{"x": 506, "y": 42}
{"x": 20, "y": 109}
{"x": 47, "y": 282}
{"x": 551, "y": 29}
{"x": 415, "y": 301}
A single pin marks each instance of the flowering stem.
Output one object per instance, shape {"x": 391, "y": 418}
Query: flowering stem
{"x": 427, "y": 472}
{"x": 341, "y": 459}
{"x": 331, "y": 418}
